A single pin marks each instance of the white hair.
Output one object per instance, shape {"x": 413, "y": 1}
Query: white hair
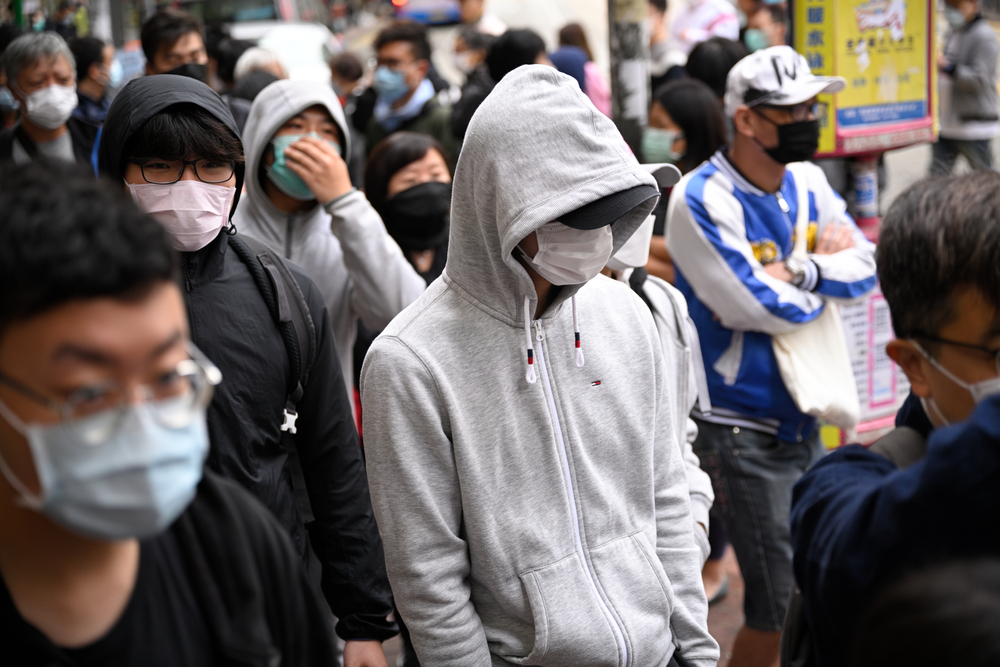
{"x": 253, "y": 59}
{"x": 28, "y": 49}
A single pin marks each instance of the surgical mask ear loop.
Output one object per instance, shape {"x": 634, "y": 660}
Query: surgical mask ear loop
{"x": 27, "y": 498}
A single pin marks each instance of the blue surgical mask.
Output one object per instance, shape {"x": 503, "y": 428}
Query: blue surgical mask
{"x": 755, "y": 40}
{"x": 658, "y": 145}
{"x": 390, "y": 84}
{"x": 115, "y": 74}
{"x": 7, "y": 102}
{"x": 132, "y": 485}
{"x": 282, "y": 175}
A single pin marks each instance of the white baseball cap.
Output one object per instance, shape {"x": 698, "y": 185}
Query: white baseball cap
{"x": 777, "y": 76}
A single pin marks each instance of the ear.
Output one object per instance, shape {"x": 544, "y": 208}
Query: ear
{"x": 93, "y": 71}
{"x": 913, "y": 364}
{"x": 422, "y": 67}
{"x": 149, "y": 69}
{"x": 742, "y": 122}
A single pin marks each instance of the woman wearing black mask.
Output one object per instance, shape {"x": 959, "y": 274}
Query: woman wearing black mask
{"x": 408, "y": 181}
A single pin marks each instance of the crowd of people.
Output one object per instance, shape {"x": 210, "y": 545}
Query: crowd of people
{"x": 289, "y": 368}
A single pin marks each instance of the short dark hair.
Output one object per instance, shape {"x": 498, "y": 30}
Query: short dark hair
{"x": 84, "y": 239}
{"x": 513, "y": 49}
{"x": 945, "y": 615}
{"x": 389, "y": 156}
{"x": 940, "y": 235}
{"x": 347, "y": 66}
{"x": 406, "y": 31}
{"x": 778, "y": 13}
{"x": 182, "y": 132}
{"x": 711, "y": 60}
{"x": 225, "y": 51}
{"x": 8, "y": 33}
{"x": 251, "y": 84}
{"x": 661, "y": 5}
{"x": 695, "y": 108}
{"x": 572, "y": 34}
{"x": 475, "y": 39}
{"x": 164, "y": 28}
{"x": 87, "y": 51}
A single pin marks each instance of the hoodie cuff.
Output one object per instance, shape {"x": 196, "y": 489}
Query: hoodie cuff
{"x": 333, "y": 202}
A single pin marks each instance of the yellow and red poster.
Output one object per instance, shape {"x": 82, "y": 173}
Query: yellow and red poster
{"x": 883, "y": 48}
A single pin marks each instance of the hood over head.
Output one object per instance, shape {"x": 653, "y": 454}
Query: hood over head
{"x": 271, "y": 109}
{"x": 536, "y": 150}
{"x": 145, "y": 97}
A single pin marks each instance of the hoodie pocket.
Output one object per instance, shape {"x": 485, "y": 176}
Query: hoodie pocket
{"x": 570, "y": 628}
{"x": 641, "y": 595}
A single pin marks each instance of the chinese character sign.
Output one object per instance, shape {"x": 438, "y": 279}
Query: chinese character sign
{"x": 882, "y": 48}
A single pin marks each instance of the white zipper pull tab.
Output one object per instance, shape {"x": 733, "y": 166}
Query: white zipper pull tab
{"x": 538, "y": 330}
{"x": 781, "y": 202}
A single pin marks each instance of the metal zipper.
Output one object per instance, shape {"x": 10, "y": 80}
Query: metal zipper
{"x": 618, "y": 631}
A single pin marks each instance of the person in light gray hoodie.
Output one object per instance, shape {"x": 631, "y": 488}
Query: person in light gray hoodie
{"x": 300, "y": 201}
{"x": 534, "y": 502}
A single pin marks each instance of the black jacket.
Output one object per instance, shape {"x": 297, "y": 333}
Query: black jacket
{"x": 231, "y": 323}
{"x": 252, "y": 592}
{"x": 474, "y": 91}
{"x": 81, "y": 133}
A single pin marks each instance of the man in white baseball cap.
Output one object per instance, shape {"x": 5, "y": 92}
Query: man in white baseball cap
{"x": 731, "y": 232}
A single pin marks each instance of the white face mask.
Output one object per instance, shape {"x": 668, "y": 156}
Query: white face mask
{"x": 568, "y": 256}
{"x": 50, "y": 107}
{"x": 979, "y": 391}
{"x": 635, "y": 252}
{"x": 193, "y": 212}
{"x": 464, "y": 63}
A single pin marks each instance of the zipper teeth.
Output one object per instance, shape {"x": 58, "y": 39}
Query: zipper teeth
{"x": 288, "y": 236}
{"x": 619, "y": 633}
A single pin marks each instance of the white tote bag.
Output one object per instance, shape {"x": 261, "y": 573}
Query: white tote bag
{"x": 813, "y": 359}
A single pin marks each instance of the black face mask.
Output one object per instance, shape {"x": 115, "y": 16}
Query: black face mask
{"x": 417, "y": 218}
{"x": 191, "y": 70}
{"x": 796, "y": 141}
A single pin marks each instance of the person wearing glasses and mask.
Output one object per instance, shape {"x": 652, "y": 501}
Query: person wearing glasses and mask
{"x": 730, "y": 231}
{"x": 41, "y": 75}
{"x": 406, "y": 98}
{"x": 864, "y": 518}
{"x": 116, "y": 547}
{"x": 172, "y": 144}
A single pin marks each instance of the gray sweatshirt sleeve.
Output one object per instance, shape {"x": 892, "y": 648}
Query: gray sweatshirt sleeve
{"x": 675, "y": 545}
{"x": 417, "y": 501}
{"x": 979, "y": 73}
{"x": 382, "y": 282}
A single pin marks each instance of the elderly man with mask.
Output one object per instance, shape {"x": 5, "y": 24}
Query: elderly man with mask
{"x": 534, "y": 502}
{"x": 41, "y": 75}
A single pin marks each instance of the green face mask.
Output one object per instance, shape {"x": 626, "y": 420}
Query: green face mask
{"x": 282, "y": 175}
{"x": 755, "y": 40}
{"x": 658, "y": 145}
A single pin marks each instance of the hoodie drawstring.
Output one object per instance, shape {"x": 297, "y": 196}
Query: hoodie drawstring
{"x": 530, "y": 377}
{"x": 576, "y": 335}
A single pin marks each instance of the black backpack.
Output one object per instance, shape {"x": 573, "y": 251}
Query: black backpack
{"x": 288, "y": 306}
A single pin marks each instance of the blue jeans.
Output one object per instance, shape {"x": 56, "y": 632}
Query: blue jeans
{"x": 752, "y": 475}
{"x": 979, "y": 154}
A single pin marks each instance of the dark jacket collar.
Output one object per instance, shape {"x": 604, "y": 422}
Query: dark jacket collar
{"x": 203, "y": 266}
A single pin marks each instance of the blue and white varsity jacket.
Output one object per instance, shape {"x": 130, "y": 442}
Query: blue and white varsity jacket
{"x": 721, "y": 232}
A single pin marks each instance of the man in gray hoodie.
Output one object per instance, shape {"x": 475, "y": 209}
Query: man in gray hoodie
{"x": 534, "y": 503}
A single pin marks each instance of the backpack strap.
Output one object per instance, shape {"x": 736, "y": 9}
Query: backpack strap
{"x": 288, "y": 306}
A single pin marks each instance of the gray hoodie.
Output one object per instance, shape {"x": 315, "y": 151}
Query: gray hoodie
{"x": 542, "y": 522}
{"x": 342, "y": 245}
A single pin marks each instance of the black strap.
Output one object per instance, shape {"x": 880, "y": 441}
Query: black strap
{"x": 26, "y": 143}
{"x": 288, "y": 306}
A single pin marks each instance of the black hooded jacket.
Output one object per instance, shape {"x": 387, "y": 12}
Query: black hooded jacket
{"x": 231, "y": 323}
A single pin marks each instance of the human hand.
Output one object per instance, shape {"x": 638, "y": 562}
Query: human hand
{"x": 942, "y": 62}
{"x": 835, "y": 237}
{"x": 364, "y": 654}
{"x": 778, "y": 270}
{"x": 320, "y": 167}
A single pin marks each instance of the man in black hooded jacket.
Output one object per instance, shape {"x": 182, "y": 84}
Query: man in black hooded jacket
{"x": 173, "y": 142}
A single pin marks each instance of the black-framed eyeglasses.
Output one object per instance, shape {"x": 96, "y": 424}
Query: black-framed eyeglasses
{"x": 96, "y": 412}
{"x": 798, "y": 112}
{"x": 995, "y": 353}
{"x": 164, "y": 172}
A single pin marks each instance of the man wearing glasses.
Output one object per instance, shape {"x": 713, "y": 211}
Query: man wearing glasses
{"x": 731, "y": 228}
{"x": 114, "y": 547}
{"x": 858, "y": 522}
{"x": 172, "y": 142}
